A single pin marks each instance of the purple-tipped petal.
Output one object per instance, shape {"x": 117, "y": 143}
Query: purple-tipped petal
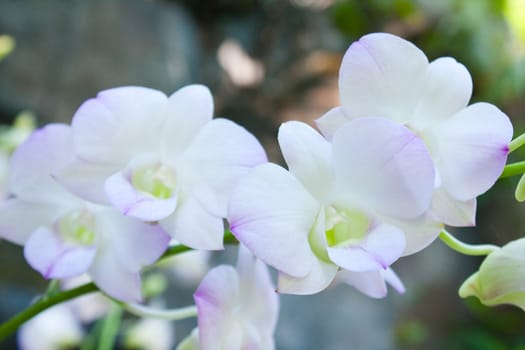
{"x": 131, "y": 202}
{"x": 53, "y": 257}
{"x": 378, "y": 250}
{"x": 309, "y": 158}
{"x": 384, "y": 167}
{"x": 228, "y": 317}
{"x": 216, "y": 298}
{"x": 473, "y": 149}
{"x": 272, "y": 214}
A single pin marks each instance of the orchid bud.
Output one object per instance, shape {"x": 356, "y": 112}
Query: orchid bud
{"x": 500, "y": 278}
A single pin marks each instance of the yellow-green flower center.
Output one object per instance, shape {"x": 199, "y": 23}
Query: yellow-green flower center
{"x": 344, "y": 227}
{"x": 78, "y": 227}
{"x": 157, "y": 180}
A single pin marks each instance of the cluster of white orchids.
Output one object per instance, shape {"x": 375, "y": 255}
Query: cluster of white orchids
{"x": 139, "y": 176}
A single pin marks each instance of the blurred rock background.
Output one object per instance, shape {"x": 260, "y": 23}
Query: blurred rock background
{"x": 268, "y": 61}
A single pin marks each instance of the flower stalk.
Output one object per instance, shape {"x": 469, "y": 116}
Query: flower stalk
{"x": 465, "y": 248}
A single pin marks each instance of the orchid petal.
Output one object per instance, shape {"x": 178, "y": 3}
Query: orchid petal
{"x": 33, "y": 163}
{"x": 114, "y": 126}
{"x": 215, "y": 299}
{"x": 447, "y": 90}
{"x": 193, "y": 225}
{"x": 135, "y": 243}
{"x": 392, "y": 279}
{"x": 419, "y": 232}
{"x": 383, "y": 166}
{"x": 309, "y": 158}
{"x": 114, "y": 278}
{"x": 451, "y": 211}
{"x": 381, "y": 75}
{"x": 472, "y": 150}
{"x": 219, "y": 156}
{"x": 53, "y": 257}
{"x": 19, "y": 219}
{"x": 86, "y": 179}
{"x": 370, "y": 283}
{"x": 189, "y": 109}
{"x": 272, "y": 214}
{"x": 378, "y": 250}
{"x": 255, "y": 284}
{"x": 331, "y": 121}
{"x": 131, "y": 202}
{"x": 319, "y": 277}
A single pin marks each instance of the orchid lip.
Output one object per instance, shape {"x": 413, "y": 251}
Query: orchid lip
{"x": 78, "y": 227}
{"x": 157, "y": 180}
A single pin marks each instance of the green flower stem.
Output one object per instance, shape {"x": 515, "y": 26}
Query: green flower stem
{"x": 170, "y": 315}
{"x": 45, "y": 302}
{"x": 513, "y": 169}
{"x": 110, "y": 327}
{"x": 464, "y": 248}
{"x": 55, "y": 297}
{"x": 517, "y": 143}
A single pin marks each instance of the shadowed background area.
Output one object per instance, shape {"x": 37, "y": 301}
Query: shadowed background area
{"x": 269, "y": 61}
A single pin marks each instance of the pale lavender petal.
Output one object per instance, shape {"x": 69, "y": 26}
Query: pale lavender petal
{"x": 451, "y": 211}
{"x": 136, "y": 244}
{"x": 19, "y": 219}
{"x": 392, "y": 279}
{"x": 114, "y": 278}
{"x": 255, "y": 284}
{"x": 331, "y": 121}
{"x": 272, "y": 214}
{"x": 189, "y": 109}
{"x": 193, "y": 225}
{"x": 216, "y": 298}
{"x": 447, "y": 89}
{"x": 382, "y": 166}
{"x": 381, "y": 76}
{"x": 370, "y": 283}
{"x": 131, "y": 202}
{"x": 309, "y": 158}
{"x": 45, "y": 151}
{"x": 318, "y": 279}
{"x": 118, "y": 123}
{"x": 86, "y": 179}
{"x": 219, "y": 156}
{"x": 472, "y": 150}
{"x": 419, "y": 232}
{"x": 382, "y": 246}
{"x": 53, "y": 257}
